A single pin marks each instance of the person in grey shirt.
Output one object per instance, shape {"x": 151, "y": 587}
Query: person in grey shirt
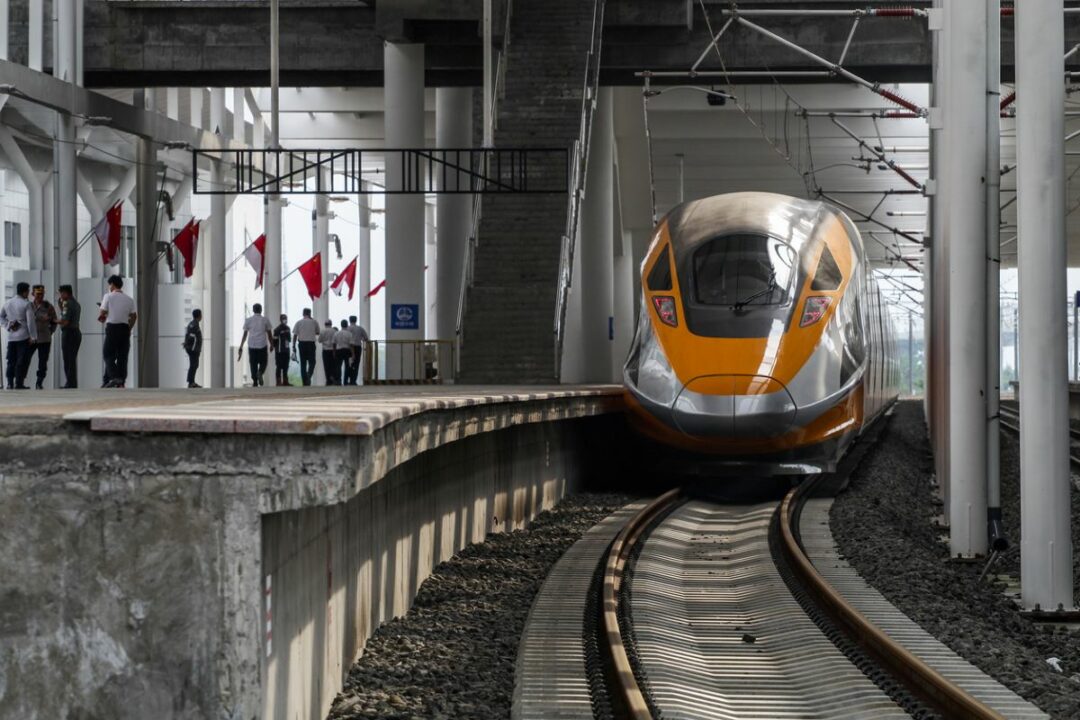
{"x": 70, "y": 335}
{"x": 360, "y": 337}
{"x": 17, "y": 317}
{"x": 45, "y": 317}
{"x": 305, "y": 332}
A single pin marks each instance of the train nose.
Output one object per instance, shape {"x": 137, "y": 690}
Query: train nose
{"x": 734, "y": 406}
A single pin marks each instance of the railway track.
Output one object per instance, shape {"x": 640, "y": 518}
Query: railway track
{"x": 1010, "y": 419}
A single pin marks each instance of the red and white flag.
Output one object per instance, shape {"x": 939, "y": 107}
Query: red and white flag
{"x": 375, "y": 290}
{"x": 311, "y": 271}
{"x": 255, "y": 254}
{"x": 187, "y": 242}
{"x": 107, "y": 233}
{"x": 348, "y": 277}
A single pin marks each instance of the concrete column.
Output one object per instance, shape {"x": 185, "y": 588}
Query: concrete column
{"x": 938, "y": 286}
{"x": 146, "y": 360}
{"x": 64, "y": 159}
{"x": 1046, "y": 541}
{"x": 403, "y": 79}
{"x": 320, "y": 243}
{"x": 272, "y": 277}
{"x": 196, "y": 109}
{"x": 4, "y": 15}
{"x": 623, "y": 304}
{"x": 238, "y": 124}
{"x": 217, "y": 111}
{"x": 363, "y": 265}
{"x": 35, "y": 233}
{"x": 595, "y": 244}
{"x": 992, "y": 110}
{"x": 36, "y": 39}
{"x": 79, "y": 15}
{"x": 965, "y": 230}
{"x": 172, "y": 103}
{"x": 431, "y": 268}
{"x": 217, "y": 313}
{"x": 453, "y": 213}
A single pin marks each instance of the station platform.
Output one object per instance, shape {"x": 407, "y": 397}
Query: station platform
{"x": 270, "y": 529}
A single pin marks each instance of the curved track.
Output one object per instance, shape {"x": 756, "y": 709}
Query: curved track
{"x": 708, "y": 575}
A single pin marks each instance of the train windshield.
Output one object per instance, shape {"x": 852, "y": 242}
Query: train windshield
{"x": 744, "y": 270}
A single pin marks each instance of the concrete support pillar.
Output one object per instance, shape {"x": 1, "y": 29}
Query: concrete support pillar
{"x": 217, "y": 111}
{"x": 363, "y": 265}
{"x": 35, "y": 234}
{"x": 217, "y": 313}
{"x": 238, "y": 125}
{"x": 172, "y": 103}
{"x": 623, "y": 303}
{"x": 964, "y": 148}
{"x": 1046, "y": 541}
{"x": 403, "y": 68}
{"x": 4, "y": 18}
{"x": 36, "y": 35}
{"x": 146, "y": 273}
{"x": 595, "y": 244}
{"x": 431, "y": 268}
{"x": 79, "y": 14}
{"x": 939, "y": 287}
{"x": 320, "y": 243}
{"x": 64, "y": 159}
{"x": 196, "y": 107}
{"x": 272, "y": 277}
{"x": 453, "y": 213}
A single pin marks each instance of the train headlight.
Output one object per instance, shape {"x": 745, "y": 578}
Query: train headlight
{"x": 814, "y": 310}
{"x": 665, "y": 309}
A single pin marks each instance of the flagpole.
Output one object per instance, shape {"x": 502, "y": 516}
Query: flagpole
{"x": 90, "y": 233}
{"x": 237, "y": 259}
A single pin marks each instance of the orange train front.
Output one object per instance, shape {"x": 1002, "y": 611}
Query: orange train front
{"x": 762, "y": 338}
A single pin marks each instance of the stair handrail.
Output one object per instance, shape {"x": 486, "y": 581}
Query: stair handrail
{"x": 467, "y": 267}
{"x": 578, "y": 165}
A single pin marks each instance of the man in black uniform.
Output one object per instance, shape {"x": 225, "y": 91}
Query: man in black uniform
{"x": 193, "y": 346}
{"x": 329, "y": 358}
{"x": 70, "y": 335}
{"x": 282, "y": 341}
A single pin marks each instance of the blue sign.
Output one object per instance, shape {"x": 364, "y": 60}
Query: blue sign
{"x": 404, "y": 317}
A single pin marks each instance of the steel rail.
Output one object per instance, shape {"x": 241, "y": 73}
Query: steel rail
{"x": 916, "y": 675}
{"x": 1011, "y": 420}
{"x": 626, "y": 693}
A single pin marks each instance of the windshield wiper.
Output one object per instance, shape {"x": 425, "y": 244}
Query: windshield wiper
{"x": 740, "y": 304}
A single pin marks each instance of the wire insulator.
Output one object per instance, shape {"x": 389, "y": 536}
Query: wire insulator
{"x": 894, "y": 115}
{"x": 1008, "y": 11}
{"x": 893, "y": 12}
{"x": 901, "y": 101}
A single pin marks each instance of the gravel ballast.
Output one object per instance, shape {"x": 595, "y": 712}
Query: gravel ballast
{"x": 454, "y": 652}
{"x": 883, "y": 525}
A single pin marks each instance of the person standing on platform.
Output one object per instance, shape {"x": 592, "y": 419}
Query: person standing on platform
{"x": 193, "y": 346}
{"x": 282, "y": 341}
{"x": 360, "y": 337}
{"x": 45, "y": 316}
{"x": 70, "y": 336}
{"x": 118, "y": 314}
{"x": 329, "y": 357}
{"x": 17, "y": 317}
{"x": 345, "y": 351}
{"x": 260, "y": 331}
{"x": 304, "y": 334}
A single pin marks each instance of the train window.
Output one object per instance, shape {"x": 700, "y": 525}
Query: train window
{"x": 741, "y": 270}
{"x": 828, "y": 275}
{"x": 660, "y": 275}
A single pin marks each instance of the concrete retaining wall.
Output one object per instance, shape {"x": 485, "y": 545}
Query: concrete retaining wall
{"x": 132, "y": 565}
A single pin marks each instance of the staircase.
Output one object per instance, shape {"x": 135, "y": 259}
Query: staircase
{"x": 508, "y": 326}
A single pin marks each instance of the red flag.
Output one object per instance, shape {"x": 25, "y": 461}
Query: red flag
{"x": 375, "y": 290}
{"x": 187, "y": 242}
{"x": 255, "y": 253}
{"x": 348, "y": 275}
{"x": 107, "y": 232}
{"x": 311, "y": 271}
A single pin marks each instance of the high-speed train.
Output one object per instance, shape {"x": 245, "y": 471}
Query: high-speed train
{"x": 763, "y": 340}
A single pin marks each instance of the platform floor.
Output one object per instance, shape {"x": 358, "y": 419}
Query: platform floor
{"x": 270, "y": 410}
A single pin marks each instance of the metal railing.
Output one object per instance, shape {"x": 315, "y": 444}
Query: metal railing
{"x": 578, "y": 163}
{"x": 468, "y": 264}
{"x": 410, "y": 361}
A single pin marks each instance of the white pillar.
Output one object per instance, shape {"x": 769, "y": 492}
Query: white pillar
{"x": 146, "y": 358}
{"x": 403, "y": 68}
{"x": 992, "y": 109}
{"x": 453, "y": 129}
{"x": 172, "y": 103}
{"x": 595, "y": 244}
{"x": 79, "y": 15}
{"x": 939, "y": 286}
{"x": 272, "y": 277}
{"x": 36, "y": 30}
{"x": 64, "y": 166}
{"x": 320, "y": 243}
{"x": 623, "y": 304}
{"x": 363, "y": 265}
{"x": 965, "y": 229}
{"x": 35, "y": 234}
{"x": 238, "y": 124}
{"x": 217, "y": 111}
{"x": 195, "y": 112}
{"x": 1046, "y": 540}
{"x": 431, "y": 268}
{"x": 4, "y": 15}
{"x": 217, "y": 313}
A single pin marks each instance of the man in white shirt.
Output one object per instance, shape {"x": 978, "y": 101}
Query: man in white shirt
{"x": 118, "y": 314}
{"x": 329, "y": 359}
{"x": 259, "y": 330}
{"x": 305, "y": 333}
{"x": 17, "y": 318}
{"x": 344, "y": 351}
{"x": 360, "y": 337}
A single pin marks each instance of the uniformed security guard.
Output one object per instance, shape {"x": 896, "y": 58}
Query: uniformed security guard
{"x": 329, "y": 357}
{"x": 193, "y": 346}
{"x": 70, "y": 335}
{"x": 282, "y": 340}
{"x": 304, "y": 335}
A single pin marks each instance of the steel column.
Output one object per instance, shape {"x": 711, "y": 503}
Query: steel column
{"x": 217, "y": 313}
{"x": 453, "y": 129}
{"x": 1046, "y": 543}
{"x": 596, "y": 281}
{"x": 992, "y": 104}
{"x": 64, "y": 158}
{"x": 965, "y": 231}
{"x": 146, "y": 277}
{"x": 363, "y": 264}
{"x": 272, "y": 276}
